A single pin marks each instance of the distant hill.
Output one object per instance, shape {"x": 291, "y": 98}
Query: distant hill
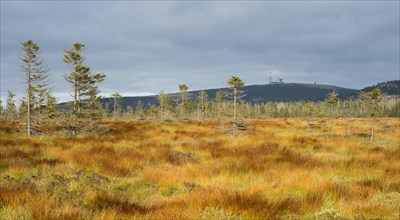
{"x": 388, "y": 87}
{"x": 277, "y": 92}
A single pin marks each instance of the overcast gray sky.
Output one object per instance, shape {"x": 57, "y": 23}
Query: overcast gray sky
{"x": 146, "y": 47}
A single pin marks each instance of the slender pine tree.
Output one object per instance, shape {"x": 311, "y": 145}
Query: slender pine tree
{"x": 183, "y": 88}
{"x": 235, "y": 82}
{"x": 36, "y": 78}
{"x": 332, "y": 100}
{"x": 86, "y": 102}
{"x": 11, "y": 108}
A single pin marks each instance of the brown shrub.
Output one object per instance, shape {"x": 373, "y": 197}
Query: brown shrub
{"x": 248, "y": 151}
{"x": 393, "y": 186}
{"x": 114, "y": 167}
{"x": 120, "y": 204}
{"x": 176, "y": 157}
{"x": 376, "y": 150}
{"x": 50, "y": 162}
{"x": 129, "y": 127}
{"x": 289, "y": 156}
{"x": 256, "y": 204}
{"x": 20, "y": 142}
{"x": 191, "y": 133}
{"x": 20, "y": 154}
{"x": 15, "y": 196}
{"x": 370, "y": 183}
{"x": 340, "y": 190}
{"x": 8, "y": 126}
{"x": 305, "y": 140}
{"x": 218, "y": 152}
{"x": 102, "y": 149}
{"x": 391, "y": 171}
{"x": 13, "y": 153}
{"x": 393, "y": 154}
{"x": 314, "y": 199}
{"x": 48, "y": 208}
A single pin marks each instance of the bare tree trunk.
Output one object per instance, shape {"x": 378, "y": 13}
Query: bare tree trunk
{"x": 348, "y": 119}
{"x": 28, "y": 132}
{"x": 234, "y": 110}
{"x": 219, "y": 111}
{"x": 205, "y": 109}
{"x": 115, "y": 108}
{"x": 79, "y": 102}
{"x": 348, "y": 126}
{"x": 333, "y": 120}
{"x": 182, "y": 107}
{"x": 75, "y": 106}
{"x": 202, "y": 108}
{"x": 372, "y": 129}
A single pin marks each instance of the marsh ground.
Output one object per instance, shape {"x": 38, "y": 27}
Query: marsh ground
{"x": 276, "y": 169}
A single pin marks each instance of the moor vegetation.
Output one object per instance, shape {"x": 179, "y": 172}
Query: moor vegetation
{"x": 277, "y": 169}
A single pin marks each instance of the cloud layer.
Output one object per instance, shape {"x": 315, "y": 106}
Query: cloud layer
{"x": 146, "y": 47}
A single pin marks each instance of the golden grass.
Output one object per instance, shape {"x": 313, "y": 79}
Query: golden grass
{"x": 275, "y": 170}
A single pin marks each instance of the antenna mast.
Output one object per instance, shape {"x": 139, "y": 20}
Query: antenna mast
{"x": 270, "y": 76}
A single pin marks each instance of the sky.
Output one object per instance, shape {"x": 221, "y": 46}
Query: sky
{"x": 148, "y": 47}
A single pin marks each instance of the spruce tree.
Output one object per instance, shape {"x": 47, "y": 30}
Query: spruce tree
{"x": 23, "y": 108}
{"x": 164, "y": 102}
{"x": 153, "y": 112}
{"x": 348, "y": 112}
{"x": 332, "y": 100}
{"x": 310, "y": 114}
{"x": 372, "y": 98}
{"x": 36, "y": 78}
{"x": 86, "y": 103}
{"x": 11, "y": 108}
{"x": 139, "y": 111}
{"x": 183, "y": 88}
{"x": 129, "y": 112}
{"x": 1, "y": 109}
{"x": 235, "y": 82}
{"x": 91, "y": 99}
{"x": 117, "y": 105}
{"x": 218, "y": 101}
{"x": 74, "y": 61}
{"x": 201, "y": 104}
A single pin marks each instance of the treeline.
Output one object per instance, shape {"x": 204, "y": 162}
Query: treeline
{"x": 38, "y": 113}
{"x": 227, "y": 106}
{"x": 221, "y": 106}
{"x": 170, "y": 108}
{"x": 389, "y": 87}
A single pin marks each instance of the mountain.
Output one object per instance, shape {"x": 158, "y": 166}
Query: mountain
{"x": 388, "y": 87}
{"x": 276, "y": 92}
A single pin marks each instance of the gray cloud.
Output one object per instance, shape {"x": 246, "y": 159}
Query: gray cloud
{"x": 146, "y": 47}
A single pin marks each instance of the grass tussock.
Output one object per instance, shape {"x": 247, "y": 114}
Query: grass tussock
{"x": 194, "y": 170}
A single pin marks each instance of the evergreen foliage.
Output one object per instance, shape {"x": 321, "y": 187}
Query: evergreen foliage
{"x": 86, "y": 102}
{"x": 38, "y": 95}
{"x": 389, "y": 87}
{"x": 11, "y": 109}
{"x": 236, "y": 83}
